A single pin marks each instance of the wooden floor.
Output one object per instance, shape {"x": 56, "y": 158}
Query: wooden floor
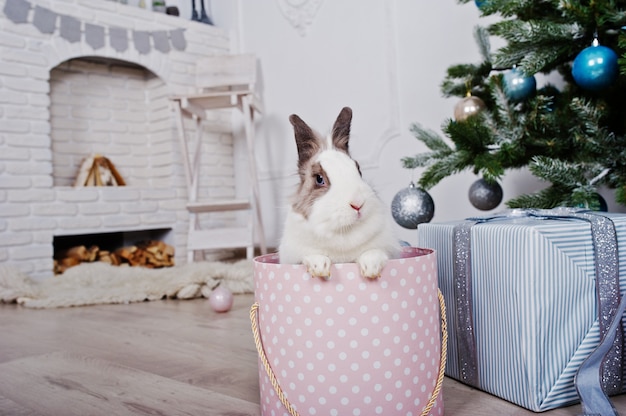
{"x": 155, "y": 358}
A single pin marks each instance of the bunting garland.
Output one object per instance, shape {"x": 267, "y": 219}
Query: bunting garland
{"x": 94, "y": 35}
{"x": 72, "y": 30}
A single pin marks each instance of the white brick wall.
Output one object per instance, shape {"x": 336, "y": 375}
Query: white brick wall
{"x": 56, "y": 109}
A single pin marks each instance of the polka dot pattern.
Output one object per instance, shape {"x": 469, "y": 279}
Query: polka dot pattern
{"x": 350, "y": 346}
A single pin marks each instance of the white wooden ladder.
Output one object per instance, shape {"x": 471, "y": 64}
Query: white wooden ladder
{"x": 224, "y": 81}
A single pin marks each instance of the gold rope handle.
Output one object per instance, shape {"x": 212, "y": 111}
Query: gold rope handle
{"x": 289, "y": 407}
{"x": 444, "y": 355}
{"x": 266, "y": 364}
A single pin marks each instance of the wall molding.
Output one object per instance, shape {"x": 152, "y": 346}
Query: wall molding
{"x": 300, "y": 13}
{"x": 392, "y": 130}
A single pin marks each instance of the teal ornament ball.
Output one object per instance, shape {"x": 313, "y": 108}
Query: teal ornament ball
{"x": 601, "y": 204}
{"x": 518, "y": 87}
{"x": 479, "y": 3}
{"x": 595, "y": 68}
{"x": 412, "y": 206}
{"x": 485, "y": 195}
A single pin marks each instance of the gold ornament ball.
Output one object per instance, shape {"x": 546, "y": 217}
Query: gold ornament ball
{"x": 468, "y": 106}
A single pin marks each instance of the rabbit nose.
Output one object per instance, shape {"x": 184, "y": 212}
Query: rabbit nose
{"x": 356, "y": 206}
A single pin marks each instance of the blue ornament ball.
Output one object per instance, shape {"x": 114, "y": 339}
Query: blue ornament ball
{"x": 479, "y": 3}
{"x": 595, "y": 68}
{"x": 518, "y": 87}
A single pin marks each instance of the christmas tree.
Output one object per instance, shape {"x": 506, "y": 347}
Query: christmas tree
{"x": 570, "y": 134}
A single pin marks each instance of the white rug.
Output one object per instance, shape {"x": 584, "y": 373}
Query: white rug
{"x": 98, "y": 283}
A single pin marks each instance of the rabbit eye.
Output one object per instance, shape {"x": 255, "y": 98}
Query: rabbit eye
{"x": 319, "y": 180}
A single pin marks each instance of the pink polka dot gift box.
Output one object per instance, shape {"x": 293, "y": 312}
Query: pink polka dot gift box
{"x": 350, "y": 345}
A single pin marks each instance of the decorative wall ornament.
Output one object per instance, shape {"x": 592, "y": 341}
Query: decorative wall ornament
{"x": 300, "y": 13}
{"x": 94, "y": 35}
{"x": 177, "y": 37}
{"x": 118, "y": 37}
{"x": 72, "y": 30}
{"x": 17, "y": 10}
{"x": 45, "y": 20}
{"x": 161, "y": 41}
{"x": 141, "y": 39}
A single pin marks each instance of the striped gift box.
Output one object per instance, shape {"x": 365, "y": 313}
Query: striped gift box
{"x": 533, "y": 303}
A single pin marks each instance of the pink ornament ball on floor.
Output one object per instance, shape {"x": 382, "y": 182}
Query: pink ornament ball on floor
{"x": 221, "y": 299}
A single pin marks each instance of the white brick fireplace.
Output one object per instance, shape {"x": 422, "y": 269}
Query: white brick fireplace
{"x": 79, "y": 77}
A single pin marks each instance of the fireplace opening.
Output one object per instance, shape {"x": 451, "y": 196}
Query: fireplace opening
{"x": 142, "y": 248}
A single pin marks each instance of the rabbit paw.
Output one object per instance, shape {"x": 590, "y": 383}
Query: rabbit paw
{"x": 317, "y": 265}
{"x": 372, "y": 263}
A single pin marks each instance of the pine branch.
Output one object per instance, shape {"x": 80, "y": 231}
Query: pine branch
{"x": 419, "y": 161}
{"x": 431, "y": 139}
{"x": 555, "y": 196}
{"x": 470, "y": 135}
{"x": 521, "y": 9}
{"x": 589, "y": 116}
{"x": 530, "y": 60}
{"x": 453, "y": 163}
{"x": 461, "y": 79}
{"x": 568, "y": 175}
{"x": 546, "y": 198}
{"x": 540, "y": 32}
{"x": 502, "y": 118}
{"x": 535, "y": 46}
{"x": 481, "y": 36}
{"x": 439, "y": 148}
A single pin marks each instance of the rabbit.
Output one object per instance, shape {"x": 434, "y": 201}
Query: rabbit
{"x": 335, "y": 216}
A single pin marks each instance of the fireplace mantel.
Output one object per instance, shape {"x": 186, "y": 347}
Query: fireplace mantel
{"x": 38, "y": 38}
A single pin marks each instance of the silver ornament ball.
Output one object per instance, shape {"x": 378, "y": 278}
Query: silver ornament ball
{"x": 412, "y": 206}
{"x": 484, "y": 195}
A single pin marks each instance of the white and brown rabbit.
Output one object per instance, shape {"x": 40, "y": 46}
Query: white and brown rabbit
{"x": 335, "y": 216}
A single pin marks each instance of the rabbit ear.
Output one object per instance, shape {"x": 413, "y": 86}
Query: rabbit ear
{"x": 341, "y": 129}
{"x": 306, "y": 140}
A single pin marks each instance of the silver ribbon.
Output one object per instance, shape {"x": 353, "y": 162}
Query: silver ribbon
{"x": 592, "y": 397}
{"x": 604, "y": 240}
{"x": 466, "y": 340}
